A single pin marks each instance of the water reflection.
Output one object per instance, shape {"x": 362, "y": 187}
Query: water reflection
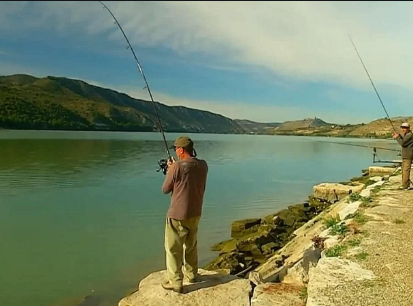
{"x": 46, "y": 163}
{"x": 87, "y": 211}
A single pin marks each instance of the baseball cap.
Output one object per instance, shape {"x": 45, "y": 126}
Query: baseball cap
{"x": 405, "y": 124}
{"x": 183, "y": 142}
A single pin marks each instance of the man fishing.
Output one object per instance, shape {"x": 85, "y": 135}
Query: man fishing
{"x": 406, "y": 141}
{"x": 186, "y": 179}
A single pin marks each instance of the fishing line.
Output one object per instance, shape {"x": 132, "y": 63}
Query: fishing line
{"x": 162, "y": 163}
{"x": 388, "y": 117}
{"x": 356, "y": 145}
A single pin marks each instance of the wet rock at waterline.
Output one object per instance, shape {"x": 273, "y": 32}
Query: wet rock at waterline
{"x": 243, "y": 227}
{"x": 255, "y": 240}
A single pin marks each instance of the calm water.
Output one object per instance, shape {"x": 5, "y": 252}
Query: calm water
{"x": 82, "y": 213}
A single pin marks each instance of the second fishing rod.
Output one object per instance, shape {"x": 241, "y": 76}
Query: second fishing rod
{"x": 382, "y": 104}
{"x": 358, "y": 145}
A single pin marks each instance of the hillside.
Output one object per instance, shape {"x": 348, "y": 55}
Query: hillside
{"x": 313, "y": 127}
{"x": 256, "y": 127}
{"x": 27, "y": 102}
{"x": 380, "y": 128}
{"x": 301, "y": 124}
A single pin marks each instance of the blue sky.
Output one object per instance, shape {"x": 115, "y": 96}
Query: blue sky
{"x": 263, "y": 61}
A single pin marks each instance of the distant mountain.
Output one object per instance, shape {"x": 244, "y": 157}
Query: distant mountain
{"x": 27, "y": 102}
{"x": 301, "y": 124}
{"x": 256, "y": 127}
{"x": 314, "y": 127}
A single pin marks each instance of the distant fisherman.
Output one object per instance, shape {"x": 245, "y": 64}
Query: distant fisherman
{"x": 406, "y": 141}
{"x": 186, "y": 179}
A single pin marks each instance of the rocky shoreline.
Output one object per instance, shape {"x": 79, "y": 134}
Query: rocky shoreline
{"x": 268, "y": 260}
{"x": 254, "y": 241}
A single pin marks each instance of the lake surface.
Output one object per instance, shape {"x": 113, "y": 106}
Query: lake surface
{"x": 82, "y": 213}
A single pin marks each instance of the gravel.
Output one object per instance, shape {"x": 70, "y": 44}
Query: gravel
{"x": 389, "y": 245}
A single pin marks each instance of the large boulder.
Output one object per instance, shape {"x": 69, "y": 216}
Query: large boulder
{"x": 234, "y": 261}
{"x": 333, "y": 192}
{"x": 213, "y": 290}
{"x": 271, "y": 220}
{"x": 381, "y": 170}
{"x": 329, "y": 274}
{"x": 218, "y": 246}
{"x": 317, "y": 206}
{"x": 279, "y": 294}
{"x": 243, "y": 227}
{"x": 258, "y": 239}
{"x": 305, "y": 239}
{"x": 350, "y": 209}
{"x": 293, "y": 214}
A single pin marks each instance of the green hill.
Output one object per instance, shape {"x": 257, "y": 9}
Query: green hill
{"x": 27, "y": 102}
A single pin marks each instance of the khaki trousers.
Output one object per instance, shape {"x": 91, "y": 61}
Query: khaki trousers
{"x": 406, "y": 166}
{"x": 181, "y": 246}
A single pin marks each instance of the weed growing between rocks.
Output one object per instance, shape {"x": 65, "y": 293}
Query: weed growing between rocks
{"x": 336, "y": 251}
{"x": 360, "y": 218}
{"x": 362, "y": 255}
{"x": 365, "y": 201}
{"x": 304, "y": 294}
{"x": 354, "y": 197}
{"x": 329, "y": 222}
{"x": 369, "y": 182}
{"x": 354, "y": 242}
{"x": 338, "y": 229}
{"x": 376, "y": 189}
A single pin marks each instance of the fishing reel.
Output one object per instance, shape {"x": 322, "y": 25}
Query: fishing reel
{"x": 163, "y": 165}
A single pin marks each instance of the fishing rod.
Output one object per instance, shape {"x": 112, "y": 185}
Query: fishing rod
{"x": 388, "y": 117}
{"x": 163, "y": 162}
{"x": 356, "y": 145}
{"x": 376, "y": 158}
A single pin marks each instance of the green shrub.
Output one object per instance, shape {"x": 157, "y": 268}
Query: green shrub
{"x": 329, "y": 222}
{"x": 335, "y": 251}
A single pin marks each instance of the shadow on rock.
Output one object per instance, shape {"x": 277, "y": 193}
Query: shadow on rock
{"x": 207, "y": 281}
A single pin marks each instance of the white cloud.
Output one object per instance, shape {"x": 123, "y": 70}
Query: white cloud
{"x": 300, "y": 40}
{"x": 304, "y": 40}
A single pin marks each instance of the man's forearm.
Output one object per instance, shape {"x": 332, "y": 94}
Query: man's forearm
{"x": 167, "y": 187}
{"x": 168, "y": 184}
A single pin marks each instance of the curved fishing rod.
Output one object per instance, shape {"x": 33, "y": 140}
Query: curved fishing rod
{"x": 356, "y": 145}
{"x": 388, "y": 117}
{"x": 162, "y": 162}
